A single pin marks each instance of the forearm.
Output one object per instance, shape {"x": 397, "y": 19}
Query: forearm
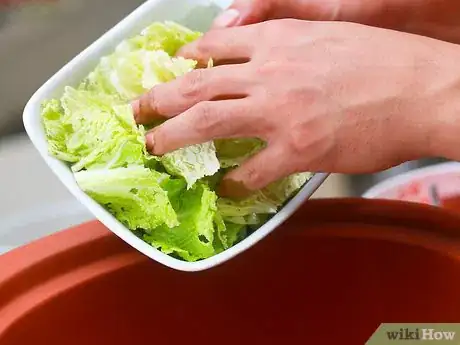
{"x": 439, "y": 19}
{"x": 442, "y": 137}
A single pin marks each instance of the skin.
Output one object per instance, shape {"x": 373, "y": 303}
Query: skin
{"x": 325, "y": 96}
{"x": 433, "y": 18}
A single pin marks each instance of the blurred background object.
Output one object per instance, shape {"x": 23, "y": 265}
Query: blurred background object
{"x": 37, "y": 37}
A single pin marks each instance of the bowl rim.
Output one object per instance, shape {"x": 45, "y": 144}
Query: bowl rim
{"x": 34, "y": 129}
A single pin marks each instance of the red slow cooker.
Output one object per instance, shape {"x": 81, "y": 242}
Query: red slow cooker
{"x": 329, "y": 275}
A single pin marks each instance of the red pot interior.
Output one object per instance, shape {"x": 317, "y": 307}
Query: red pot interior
{"x": 452, "y": 203}
{"x": 84, "y": 286}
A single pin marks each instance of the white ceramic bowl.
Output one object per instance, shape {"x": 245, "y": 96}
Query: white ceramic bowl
{"x": 415, "y": 185}
{"x": 196, "y": 14}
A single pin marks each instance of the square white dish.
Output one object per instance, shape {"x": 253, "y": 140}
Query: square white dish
{"x": 196, "y": 14}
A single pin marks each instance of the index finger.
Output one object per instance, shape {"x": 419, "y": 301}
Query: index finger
{"x": 170, "y": 99}
{"x": 204, "y": 122}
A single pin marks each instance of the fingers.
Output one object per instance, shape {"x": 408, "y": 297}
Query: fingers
{"x": 243, "y": 12}
{"x": 256, "y": 173}
{"x": 170, "y": 99}
{"x": 233, "y": 45}
{"x": 204, "y": 122}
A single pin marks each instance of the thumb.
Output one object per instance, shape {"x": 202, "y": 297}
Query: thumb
{"x": 243, "y": 12}
{"x": 254, "y": 174}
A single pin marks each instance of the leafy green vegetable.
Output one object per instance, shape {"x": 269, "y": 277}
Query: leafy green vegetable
{"x": 145, "y": 60}
{"x": 265, "y": 201}
{"x": 193, "y": 162}
{"x": 56, "y": 131}
{"x": 136, "y": 196}
{"x": 232, "y": 153}
{"x": 193, "y": 238}
{"x": 169, "y": 201}
{"x": 93, "y": 131}
{"x": 128, "y": 75}
{"x": 167, "y": 36}
{"x": 155, "y": 72}
{"x": 227, "y": 233}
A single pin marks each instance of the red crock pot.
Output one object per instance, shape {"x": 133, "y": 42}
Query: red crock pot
{"x": 330, "y": 275}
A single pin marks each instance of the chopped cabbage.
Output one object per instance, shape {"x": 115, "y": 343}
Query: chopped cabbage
{"x": 169, "y": 200}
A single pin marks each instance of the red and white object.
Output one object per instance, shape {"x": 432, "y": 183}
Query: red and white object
{"x": 417, "y": 185}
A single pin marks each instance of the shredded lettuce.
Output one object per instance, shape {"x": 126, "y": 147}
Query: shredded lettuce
{"x": 170, "y": 200}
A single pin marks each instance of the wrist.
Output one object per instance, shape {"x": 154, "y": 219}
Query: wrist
{"x": 432, "y": 18}
{"x": 389, "y": 14}
{"x": 442, "y": 137}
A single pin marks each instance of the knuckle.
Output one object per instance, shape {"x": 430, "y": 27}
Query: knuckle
{"x": 192, "y": 84}
{"x": 206, "y": 121}
{"x": 297, "y": 141}
{"x": 269, "y": 68}
{"x": 157, "y": 140}
{"x": 252, "y": 177}
{"x": 151, "y": 101}
{"x": 205, "y": 43}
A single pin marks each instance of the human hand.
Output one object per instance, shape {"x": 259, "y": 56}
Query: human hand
{"x": 324, "y": 96}
{"x": 244, "y": 12}
{"x": 432, "y": 18}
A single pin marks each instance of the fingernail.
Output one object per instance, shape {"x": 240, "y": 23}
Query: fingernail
{"x": 227, "y": 18}
{"x": 229, "y": 188}
{"x": 149, "y": 143}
